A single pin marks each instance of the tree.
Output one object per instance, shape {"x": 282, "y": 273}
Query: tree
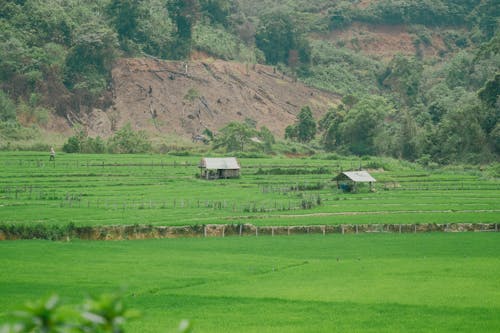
{"x": 329, "y": 125}
{"x": 217, "y": 10}
{"x": 403, "y": 76}
{"x": 280, "y": 41}
{"x": 184, "y": 14}
{"x": 7, "y": 108}
{"x": 490, "y": 93}
{"x": 304, "y": 129}
{"x": 363, "y": 122}
{"x": 127, "y": 141}
{"x": 267, "y": 137}
{"x": 124, "y": 15}
{"x": 234, "y": 137}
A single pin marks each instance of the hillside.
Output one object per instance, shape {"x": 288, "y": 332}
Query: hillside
{"x": 417, "y": 80}
{"x": 166, "y": 98}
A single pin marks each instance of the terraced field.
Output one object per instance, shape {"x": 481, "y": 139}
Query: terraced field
{"x": 165, "y": 190}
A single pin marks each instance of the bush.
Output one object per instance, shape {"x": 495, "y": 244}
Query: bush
{"x": 72, "y": 145}
{"x": 127, "y": 141}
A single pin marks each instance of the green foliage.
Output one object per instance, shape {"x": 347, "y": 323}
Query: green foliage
{"x": 72, "y": 145}
{"x": 235, "y": 137}
{"x": 363, "y": 123}
{"x": 218, "y": 11}
{"x": 90, "y": 58}
{"x": 304, "y": 129}
{"x": 218, "y": 42}
{"x": 184, "y": 14}
{"x": 7, "y": 108}
{"x": 81, "y": 143}
{"x": 127, "y": 141}
{"x": 280, "y": 40}
{"x": 403, "y": 75}
{"x": 427, "y": 12}
{"x": 104, "y": 313}
{"x": 490, "y": 93}
{"x": 341, "y": 70}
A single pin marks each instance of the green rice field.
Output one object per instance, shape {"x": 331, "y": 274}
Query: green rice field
{"x": 434, "y": 282}
{"x": 370, "y": 282}
{"x": 165, "y": 190}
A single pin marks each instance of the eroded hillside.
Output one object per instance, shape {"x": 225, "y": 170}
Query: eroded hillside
{"x": 168, "y": 98}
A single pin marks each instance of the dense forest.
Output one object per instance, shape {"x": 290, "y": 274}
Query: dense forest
{"x": 56, "y": 58}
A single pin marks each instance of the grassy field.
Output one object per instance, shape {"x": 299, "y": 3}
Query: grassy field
{"x": 434, "y": 282}
{"x": 164, "y": 190}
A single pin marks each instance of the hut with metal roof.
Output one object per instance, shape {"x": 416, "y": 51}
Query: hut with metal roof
{"x": 348, "y": 180}
{"x": 219, "y": 167}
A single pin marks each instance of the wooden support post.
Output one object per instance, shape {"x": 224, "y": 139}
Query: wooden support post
{"x": 241, "y": 227}
{"x": 272, "y": 231}
{"x": 223, "y": 230}
{"x": 204, "y": 231}
{"x": 324, "y": 230}
{"x": 256, "y": 230}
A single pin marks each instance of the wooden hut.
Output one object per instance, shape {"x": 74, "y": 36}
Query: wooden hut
{"x": 215, "y": 168}
{"x": 347, "y": 180}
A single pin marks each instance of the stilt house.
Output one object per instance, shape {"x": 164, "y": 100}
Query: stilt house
{"x": 215, "y": 168}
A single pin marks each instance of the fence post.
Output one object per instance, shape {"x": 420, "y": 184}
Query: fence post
{"x": 256, "y": 230}
{"x": 241, "y": 227}
{"x": 204, "y": 231}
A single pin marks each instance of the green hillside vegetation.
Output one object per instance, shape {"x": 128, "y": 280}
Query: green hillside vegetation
{"x": 56, "y": 57}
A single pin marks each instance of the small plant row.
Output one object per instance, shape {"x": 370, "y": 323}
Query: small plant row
{"x": 293, "y": 187}
{"x": 307, "y": 202}
{"x": 295, "y": 170}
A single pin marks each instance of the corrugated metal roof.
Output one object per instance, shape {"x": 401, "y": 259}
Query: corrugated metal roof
{"x": 359, "y": 176}
{"x": 220, "y": 163}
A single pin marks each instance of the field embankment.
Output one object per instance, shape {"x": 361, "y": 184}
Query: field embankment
{"x": 130, "y": 232}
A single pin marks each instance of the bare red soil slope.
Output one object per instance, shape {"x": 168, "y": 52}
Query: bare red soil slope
{"x": 168, "y": 98}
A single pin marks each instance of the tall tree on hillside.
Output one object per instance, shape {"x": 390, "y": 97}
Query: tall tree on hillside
{"x": 278, "y": 37}
{"x": 184, "y": 14}
{"x": 217, "y": 10}
{"x": 124, "y": 15}
{"x": 403, "y": 76}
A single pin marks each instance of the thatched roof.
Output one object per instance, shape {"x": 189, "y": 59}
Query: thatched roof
{"x": 220, "y": 163}
{"x": 356, "y": 176}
